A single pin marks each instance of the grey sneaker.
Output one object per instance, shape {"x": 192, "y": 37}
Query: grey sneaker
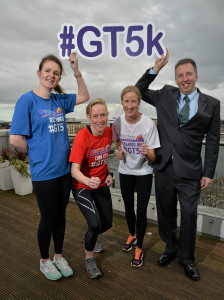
{"x": 50, "y": 271}
{"x": 92, "y": 270}
{"x": 63, "y": 266}
{"x": 98, "y": 248}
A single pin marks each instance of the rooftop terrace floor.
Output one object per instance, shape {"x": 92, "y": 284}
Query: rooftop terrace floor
{"x": 20, "y": 277}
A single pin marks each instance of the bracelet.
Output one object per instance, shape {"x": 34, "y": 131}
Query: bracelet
{"x": 110, "y": 173}
{"x": 78, "y": 76}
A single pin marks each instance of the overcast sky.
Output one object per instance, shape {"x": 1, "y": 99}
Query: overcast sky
{"x": 194, "y": 28}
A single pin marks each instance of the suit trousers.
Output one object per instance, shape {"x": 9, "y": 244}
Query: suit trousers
{"x": 169, "y": 189}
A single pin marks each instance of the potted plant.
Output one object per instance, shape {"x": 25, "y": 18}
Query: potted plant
{"x": 19, "y": 167}
{"x": 5, "y": 174}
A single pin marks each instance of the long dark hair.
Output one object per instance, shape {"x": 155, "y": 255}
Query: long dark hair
{"x": 50, "y": 57}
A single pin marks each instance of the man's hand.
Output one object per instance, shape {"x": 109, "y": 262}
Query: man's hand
{"x": 205, "y": 182}
{"x": 161, "y": 62}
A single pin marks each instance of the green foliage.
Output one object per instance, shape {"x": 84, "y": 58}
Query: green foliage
{"x": 22, "y": 166}
{"x": 16, "y": 159}
{"x": 16, "y": 154}
{"x": 4, "y": 155}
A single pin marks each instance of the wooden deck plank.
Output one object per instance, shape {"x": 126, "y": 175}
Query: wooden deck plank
{"x": 21, "y": 279}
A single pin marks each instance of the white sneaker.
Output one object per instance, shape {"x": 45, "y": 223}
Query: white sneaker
{"x": 63, "y": 266}
{"x": 49, "y": 270}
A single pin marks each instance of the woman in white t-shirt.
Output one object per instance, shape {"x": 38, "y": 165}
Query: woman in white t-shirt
{"x": 136, "y": 138}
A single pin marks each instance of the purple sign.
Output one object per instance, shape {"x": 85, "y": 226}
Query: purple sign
{"x": 88, "y": 40}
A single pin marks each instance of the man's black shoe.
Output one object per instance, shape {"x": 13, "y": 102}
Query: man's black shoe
{"x": 165, "y": 259}
{"x": 191, "y": 271}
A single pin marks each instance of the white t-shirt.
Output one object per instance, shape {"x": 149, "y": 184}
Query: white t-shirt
{"x": 131, "y": 137}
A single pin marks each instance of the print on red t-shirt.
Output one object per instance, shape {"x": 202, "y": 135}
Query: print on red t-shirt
{"x": 92, "y": 153}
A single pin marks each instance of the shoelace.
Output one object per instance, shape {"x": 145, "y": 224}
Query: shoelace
{"x": 62, "y": 262}
{"x": 92, "y": 264}
{"x": 138, "y": 252}
{"x": 50, "y": 267}
{"x": 130, "y": 239}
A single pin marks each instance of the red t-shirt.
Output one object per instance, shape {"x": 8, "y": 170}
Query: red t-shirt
{"x": 91, "y": 152}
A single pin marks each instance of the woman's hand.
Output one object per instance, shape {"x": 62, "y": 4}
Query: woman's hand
{"x": 109, "y": 180}
{"x": 94, "y": 182}
{"x": 74, "y": 63}
{"x": 120, "y": 154}
{"x": 149, "y": 153}
{"x": 82, "y": 95}
{"x": 144, "y": 149}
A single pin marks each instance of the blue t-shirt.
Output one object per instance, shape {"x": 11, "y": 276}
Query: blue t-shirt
{"x": 42, "y": 122}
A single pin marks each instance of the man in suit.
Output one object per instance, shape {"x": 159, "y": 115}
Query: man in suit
{"x": 182, "y": 122}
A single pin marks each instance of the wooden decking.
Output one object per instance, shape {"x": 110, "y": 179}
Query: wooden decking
{"x": 21, "y": 279}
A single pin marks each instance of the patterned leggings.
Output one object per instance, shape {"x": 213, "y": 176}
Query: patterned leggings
{"x": 96, "y": 207}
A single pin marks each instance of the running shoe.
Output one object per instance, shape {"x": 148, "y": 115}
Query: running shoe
{"x": 63, "y": 266}
{"x": 92, "y": 270}
{"x": 49, "y": 270}
{"x": 137, "y": 261}
{"x": 97, "y": 249}
{"x": 131, "y": 241}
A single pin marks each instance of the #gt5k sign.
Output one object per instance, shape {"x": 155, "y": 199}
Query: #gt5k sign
{"x": 88, "y": 40}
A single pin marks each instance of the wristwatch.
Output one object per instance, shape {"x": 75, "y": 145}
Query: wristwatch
{"x": 110, "y": 173}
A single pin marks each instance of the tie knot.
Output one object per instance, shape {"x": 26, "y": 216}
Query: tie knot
{"x": 186, "y": 98}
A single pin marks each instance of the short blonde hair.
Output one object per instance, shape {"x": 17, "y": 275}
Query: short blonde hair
{"x": 131, "y": 88}
{"x": 94, "y": 102}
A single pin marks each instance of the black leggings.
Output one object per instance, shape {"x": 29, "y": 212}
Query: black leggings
{"x": 142, "y": 185}
{"x": 96, "y": 207}
{"x": 52, "y": 198}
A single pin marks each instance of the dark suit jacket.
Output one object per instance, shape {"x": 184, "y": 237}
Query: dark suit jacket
{"x": 184, "y": 143}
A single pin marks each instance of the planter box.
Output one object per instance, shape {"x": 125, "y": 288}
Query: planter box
{"x": 5, "y": 177}
{"x": 22, "y": 185}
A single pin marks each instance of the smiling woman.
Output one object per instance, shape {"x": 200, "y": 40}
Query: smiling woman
{"x": 97, "y": 113}
{"x": 39, "y": 128}
{"x": 136, "y": 138}
{"x": 92, "y": 178}
{"x": 49, "y": 76}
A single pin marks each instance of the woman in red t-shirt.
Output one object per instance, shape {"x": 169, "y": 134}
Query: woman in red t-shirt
{"x": 92, "y": 178}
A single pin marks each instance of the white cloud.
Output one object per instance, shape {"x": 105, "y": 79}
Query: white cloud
{"x": 29, "y": 31}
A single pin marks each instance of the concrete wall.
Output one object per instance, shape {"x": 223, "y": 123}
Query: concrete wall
{"x": 4, "y": 137}
{"x": 210, "y": 220}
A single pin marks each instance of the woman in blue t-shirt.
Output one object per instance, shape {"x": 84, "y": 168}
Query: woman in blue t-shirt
{"x": 39, "y": 129}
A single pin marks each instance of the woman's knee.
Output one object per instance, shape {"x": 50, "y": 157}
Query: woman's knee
{"x": 94, "y": 226}
{"x": 141, "y": 213}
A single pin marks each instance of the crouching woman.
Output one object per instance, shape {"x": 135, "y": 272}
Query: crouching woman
{"x": 92, "y": 178}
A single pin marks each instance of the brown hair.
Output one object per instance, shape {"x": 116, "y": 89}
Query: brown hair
{"x": 50, "y": 57}
{"x": 131, "y": 88}
{"x": 186, "y": 61}
{"x": 94, "y": 102}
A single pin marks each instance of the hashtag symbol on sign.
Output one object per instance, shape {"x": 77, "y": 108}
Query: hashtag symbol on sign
{"x": 66, "y": 40}
{"x": 51, "y": 128}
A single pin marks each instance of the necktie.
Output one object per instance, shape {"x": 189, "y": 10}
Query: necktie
{"x": 184, "y": 113}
